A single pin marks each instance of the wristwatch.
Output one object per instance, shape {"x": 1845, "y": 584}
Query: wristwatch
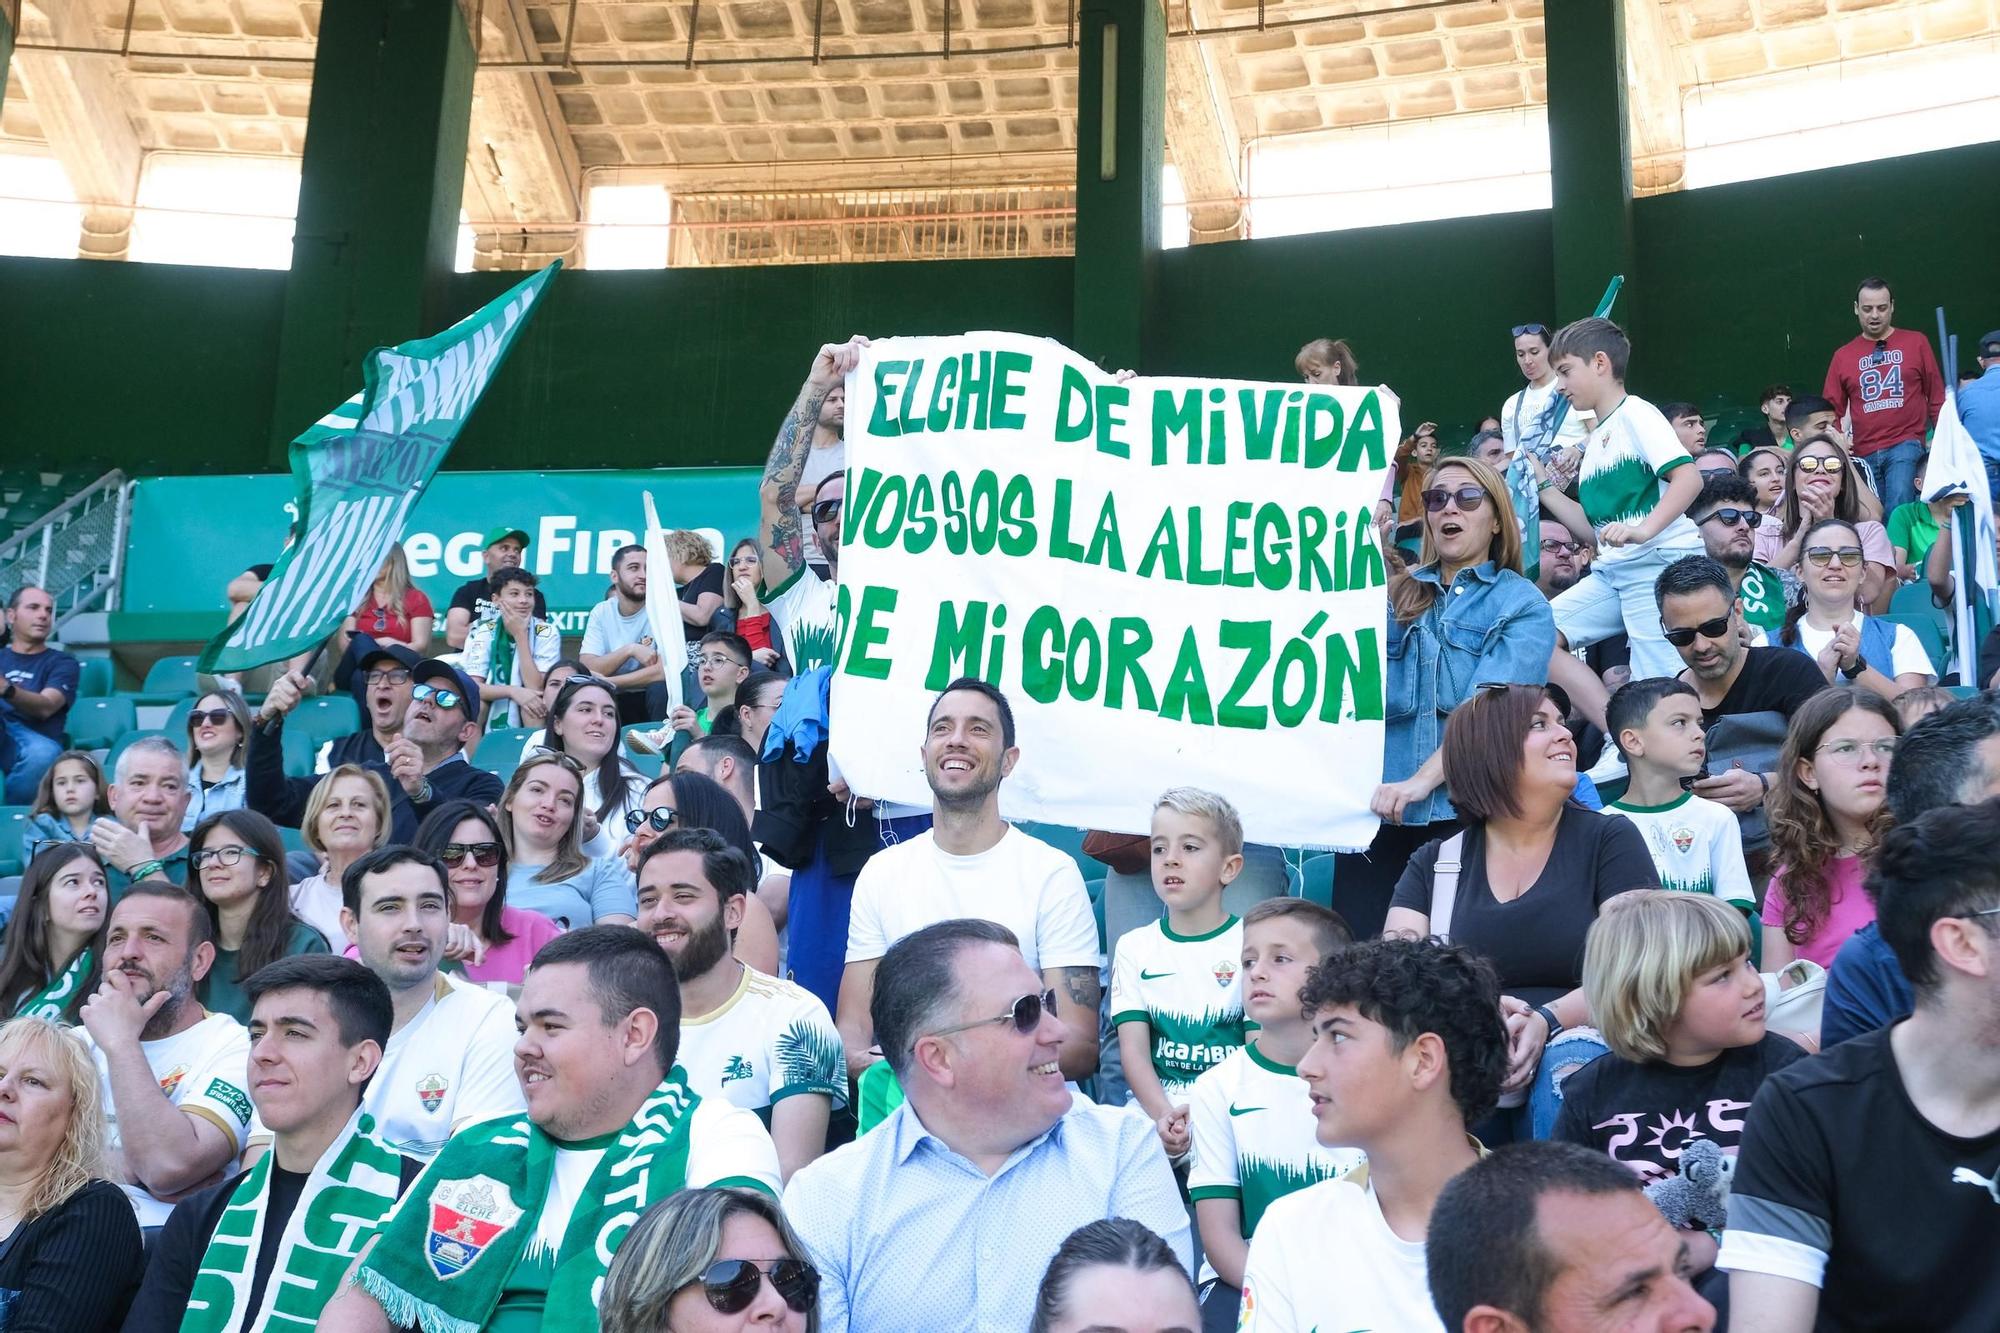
{"x": 1549, "y": 1017}
{"x": 1860, "y": 665}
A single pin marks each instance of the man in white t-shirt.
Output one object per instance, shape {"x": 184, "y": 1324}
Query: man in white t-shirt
{"x": 450, "y": 1056}
{"x": 972, "y": 863}
{"x": 754, "y": 1040}
{"x": 1408, "y": 1049}
{"x": 618, "y": 636}
{"x": 173, "y": 1073}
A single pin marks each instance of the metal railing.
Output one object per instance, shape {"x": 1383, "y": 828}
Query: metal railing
{"x": 75, "y": 551}
{"x": 843, "y": 226}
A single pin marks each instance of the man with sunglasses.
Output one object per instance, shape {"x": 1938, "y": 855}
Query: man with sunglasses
{"x": 1867, "y": 1185}
{"x": 826, "y": 458}
{"x": 945, "y": 1215}
{"x": 449, "y": 1058}
{"x": 1727, "y": 516}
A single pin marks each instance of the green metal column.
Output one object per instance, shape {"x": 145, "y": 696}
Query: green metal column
{"x": 1590, "y": 155}
{"x": 1120, "y": 150}
{"x": 378, "y": 196}
{"x": 6, "y": 49}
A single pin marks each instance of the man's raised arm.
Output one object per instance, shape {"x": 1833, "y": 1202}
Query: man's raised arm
{"x": 780, "y": 539}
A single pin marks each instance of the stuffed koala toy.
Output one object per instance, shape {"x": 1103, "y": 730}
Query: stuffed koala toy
{"x": 1699, "y": 1196}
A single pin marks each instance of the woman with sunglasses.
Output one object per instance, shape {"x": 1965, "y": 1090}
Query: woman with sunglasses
{"x": 236, "y": 863}
{"x": 583, "y": 724}
{"x": 1462, "y": 617}
{"x": 694, "y": 801}
{"x": 1828, "y": 626}
{"x": 466, "y": 837}
{"x": 541, "y": 825}
{"x": 1765, "y": 469}
{"x": 218, "y": 728}
{"x": 1821, "y": 482}
{"x": 711, "y": 1261}
{"x": 347, "y": 817}
{"x": 55, "y": 938}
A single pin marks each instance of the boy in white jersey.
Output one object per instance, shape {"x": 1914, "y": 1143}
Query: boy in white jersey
{"x": 1176, "y": 1002}
{"x": 1635, "y": 485}
{"x": 1251, "y": 1118}
{"x": 761, "y": 1043}
{"x": 449, "y": 1060}
{"x": 1408, "y": 1049}
{"x": 1696, "y": 843}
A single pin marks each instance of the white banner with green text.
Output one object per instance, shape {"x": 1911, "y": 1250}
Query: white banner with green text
{"x": 1175, "y": 581}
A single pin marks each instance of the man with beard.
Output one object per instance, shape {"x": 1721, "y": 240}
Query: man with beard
{"x": 173, "y": 1073}
{"x": 971, "y": 863}
{"x": 448, "y": 1059}
{"x": 760, "y": 1042}
{"x": 1560, "y": 569}
{"x": 517, "y": 1219}
{"x": 826, "y": 458}
{"x": 1726, "y": 512}
{"x": 422, "y": 765}
{"x": 618, "y": 637}
{"x": 149, "y": 797}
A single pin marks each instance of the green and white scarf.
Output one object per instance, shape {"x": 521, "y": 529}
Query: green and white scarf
{"x": 352, "y": 1187}
{"x": 53, "y": 1001}
{"x": 445, "y": 1257}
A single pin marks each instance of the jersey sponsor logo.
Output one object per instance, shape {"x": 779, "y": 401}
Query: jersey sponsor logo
{"x": 737, "y": 1070}
{"x": 1144, "y": 975}
{"x": 1965, "y": 1175}
{"x": 1683, "y": 837}
{"x": 1234, "y": 1109}
{"x": 172, "y": 1079}
{"x": 466, "y": 1217}
{"x": 1167, "y": 1050}
{"x": 232, "y": 1097}
{"x": 430, "y": 1091}
{"x": 1225, "y": 972}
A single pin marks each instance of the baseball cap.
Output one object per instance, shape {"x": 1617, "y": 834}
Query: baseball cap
{"x": 432, "y": 669}
{"x": 365, "y": 652}
{"x": 1989, "y": 346}
{"x": 501, "y": 534}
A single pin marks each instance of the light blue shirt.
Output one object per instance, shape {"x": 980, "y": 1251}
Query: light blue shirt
{"x": 910, "y": 1237}
{"x": 1979, "y": 410}
{"x": 602, "y": 888}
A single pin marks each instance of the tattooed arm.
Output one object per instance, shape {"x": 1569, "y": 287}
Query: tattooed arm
{"x": 780, "y": 539}
{"x": 1077, "y": 993}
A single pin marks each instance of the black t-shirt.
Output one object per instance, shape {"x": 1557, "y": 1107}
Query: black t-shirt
{"x": 1536, "y": 941}
{"x": 1643, "y": 1114}
{"x": 1837, "y": 1163}
{"x": 470, "y": 595}
{"x": 1757, "y": 437}
{"x": 709, "y": 580}
{"x": 1773, "y": 680}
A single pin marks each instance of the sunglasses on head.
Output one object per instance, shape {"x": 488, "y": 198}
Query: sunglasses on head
{"x": 1826, "y": 463}
{"x": 825, "y": 511}
{"x": 542, "y": 754}
{"x": 1025, "y": 1014}
{"x": 485, "y": 855}
{"x": 1539, "y": 330}
{"x": 731, "y": 1284}
{"x": 659, "y": 820}
{"x": 1849, "y": 556}
{"x": 1731, "y": 516}
{"x": 1469, "y": 498}
{"x": 442, "y": 698}
{"x": 208, "y": 717}
{"x": 1707, "y": 629}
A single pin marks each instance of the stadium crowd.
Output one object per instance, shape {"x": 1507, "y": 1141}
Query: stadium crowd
{"x": 1666, "y": 998}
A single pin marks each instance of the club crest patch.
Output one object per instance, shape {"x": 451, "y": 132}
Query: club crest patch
{"x": 172, "y": 1079}
{"x": 430, "y": 1091}
{"x": 1683, "y": 837}
{"x": 1225, "y": 972}
{"x": 466, "y": 1217}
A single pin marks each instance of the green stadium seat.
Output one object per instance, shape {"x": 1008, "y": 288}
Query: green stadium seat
{"x": 301, "y": 750}
{"x": 326, "y": 716}
{"x": 1914, "y": 599}
{"x": 1316, "y": 879}
{"x": 176, "y": 721}
{"x": 95, "y": 677}
{"x": 499, "y": 752}
{"x": 1930, "y": 632}
{"x": 123, "y": 742}
{"x": 168, "y": 681}
{"x": 294, "y": 840}
{"x": 96, "y": 724}
{"x": 13, "y": 827}
{"x": 1068, "y": 841}
{"x": 652, "y": 765}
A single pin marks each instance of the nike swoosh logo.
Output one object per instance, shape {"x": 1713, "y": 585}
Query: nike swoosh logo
{"x": 1144, "y": 975}
{"x": 1234, "y": 1109}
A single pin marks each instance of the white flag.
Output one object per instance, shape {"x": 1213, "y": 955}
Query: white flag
{"x": 663, "y": 605}
{"x": 1956, "y": 468}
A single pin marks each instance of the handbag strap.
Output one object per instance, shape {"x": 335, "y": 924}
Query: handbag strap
{"x": 1444, "y": 884}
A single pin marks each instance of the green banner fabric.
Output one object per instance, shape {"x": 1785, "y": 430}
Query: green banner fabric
{"x": 361, "y": 468}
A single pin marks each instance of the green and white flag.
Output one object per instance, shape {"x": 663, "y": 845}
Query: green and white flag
{"x": 361, "y": 468}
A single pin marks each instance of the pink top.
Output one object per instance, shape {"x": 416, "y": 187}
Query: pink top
{"x": 1852, "y": 909}
{"x": 507, "y": 963}
{"x": 1875, "y": 547}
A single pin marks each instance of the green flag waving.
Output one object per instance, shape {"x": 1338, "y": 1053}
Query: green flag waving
{"x": 361, "y": 468}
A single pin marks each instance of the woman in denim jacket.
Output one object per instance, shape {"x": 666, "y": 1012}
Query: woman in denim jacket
{"x": 1461, "y": 618}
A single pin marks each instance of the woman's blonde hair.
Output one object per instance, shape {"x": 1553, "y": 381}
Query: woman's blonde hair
{"x": 570, "y": 856}
{"x": 79, "y": 1158}
{"x": 322, "y": 792}
{"x": 672, "y": 1246}
{"x": 1409, "y": 596}
{"x": 685, "y": 547}
{"x": 395, "y": 572}
{"x": 1641, "y": 959}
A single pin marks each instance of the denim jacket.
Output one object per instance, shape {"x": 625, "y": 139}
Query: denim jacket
{"x": 1491, "y": 626}
{"x": 227, "y": 794}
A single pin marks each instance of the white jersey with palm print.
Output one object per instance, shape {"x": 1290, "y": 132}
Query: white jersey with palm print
{"x": 1625, "y": 465}
{"x": 769, "y": 1041}
{"x": 802, "y": 607}
{"x": 1187, "y": 990}
{"x": 1697, "y": 846}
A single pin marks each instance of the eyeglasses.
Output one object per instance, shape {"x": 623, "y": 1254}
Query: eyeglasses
{"x": 222, "y": 856}
{"x": 1849, "y": 752}
{"x": 485, "y": 855}
{"x": 717, "y": 660}
{"x": 442, "y": 698}
{"x": 1025, "y": 1014}
{"x": 1827, "y": 463}
{"x": 1850, "y": 556}
{"x": 1540, "y": 330}
{"x": 731, "y": 1284}
{"x": 660, "y": 820}
{"x": 1731, "y": 516}
{"x": 1562, "y": 548}
{"x": 1469, "y": 498}
{"x": 826, "y": 510}
{"x": 1707, "y": 629}
{"x": 210, "y": 717}
{"x": 388, "y": 676}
